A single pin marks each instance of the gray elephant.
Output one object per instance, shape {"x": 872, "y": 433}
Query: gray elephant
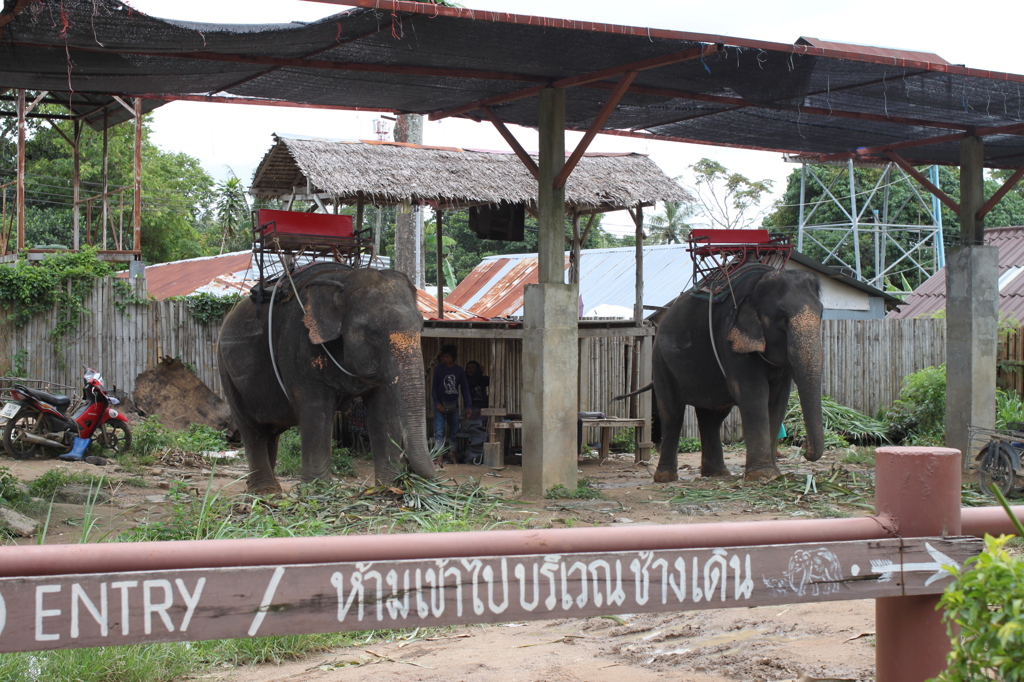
{"x": 356, "y": 332}
{"x": 743, "y": 348}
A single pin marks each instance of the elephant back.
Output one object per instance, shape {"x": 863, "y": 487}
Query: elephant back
{"x": 721, "y": 284}
{"x": 300, "y": 276}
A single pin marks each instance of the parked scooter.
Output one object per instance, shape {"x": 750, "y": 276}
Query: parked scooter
{"x": 37, "y": 419}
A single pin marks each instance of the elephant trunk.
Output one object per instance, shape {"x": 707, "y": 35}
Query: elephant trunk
{"x": 805, "y": 357}
{"x": 411, "y": 389}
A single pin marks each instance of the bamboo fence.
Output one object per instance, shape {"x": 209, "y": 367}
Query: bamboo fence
{"x": 865, "y": 360}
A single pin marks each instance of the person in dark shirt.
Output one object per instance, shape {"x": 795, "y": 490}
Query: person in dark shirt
{"x": 449, "y": 382}
{"x": 478, "y": 384}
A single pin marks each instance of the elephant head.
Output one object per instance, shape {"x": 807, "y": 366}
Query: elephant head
{"x": 779, "y": 318}
{"x": 368, "y": 322}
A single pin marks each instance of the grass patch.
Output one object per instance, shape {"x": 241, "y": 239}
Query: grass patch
{"x": 860, "y": 456}
{"x": 689, "y": 445}
{"x": 179, "y": 660}
{"x": 584, "y": 491}
{"x": 289, "y": 456}
{"x": 53, "y": 480}
{"x": 11, "y": 492}
{"x": 409, "y": 504}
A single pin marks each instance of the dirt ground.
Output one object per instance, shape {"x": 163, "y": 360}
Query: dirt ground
{"x": 827, "y": 641}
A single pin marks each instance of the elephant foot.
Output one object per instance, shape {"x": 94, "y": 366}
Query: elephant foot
{"x": 266, "y": 489}
{"x": 763, "y": 474}
{"x": 716, "y": 473}
{"x": 666, "y": 476}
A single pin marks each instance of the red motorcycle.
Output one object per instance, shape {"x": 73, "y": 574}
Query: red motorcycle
{"x": 37, "y": 419}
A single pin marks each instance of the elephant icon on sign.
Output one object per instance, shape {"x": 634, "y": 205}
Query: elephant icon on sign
{"x": 818, "y": 569}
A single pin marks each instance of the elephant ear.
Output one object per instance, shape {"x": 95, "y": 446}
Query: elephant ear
{"x": 322, "y": 304}
{"x": 746, "y": 335}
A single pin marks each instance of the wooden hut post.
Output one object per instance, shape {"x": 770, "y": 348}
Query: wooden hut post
{"x": 638, "y": 306}
{"x": 359, "y": 211}
{"x": 137, "y": 206}
{"x": 20, "y": 184}
{"x": 440, "y": 262}
{"x": 576, "y": 248}
{"x": 76, "y": 181}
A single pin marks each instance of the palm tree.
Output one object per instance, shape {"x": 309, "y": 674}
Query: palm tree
{"x": 232, "y": 208}
{"x": 671, "y": 226}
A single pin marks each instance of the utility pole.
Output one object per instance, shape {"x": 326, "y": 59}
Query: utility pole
{"x": 409, "y": 256}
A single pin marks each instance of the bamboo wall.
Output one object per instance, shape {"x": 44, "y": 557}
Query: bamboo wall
{"x": 865, "y": 360}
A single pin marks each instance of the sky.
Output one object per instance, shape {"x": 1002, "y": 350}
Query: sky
{"x": 230, "y": 138}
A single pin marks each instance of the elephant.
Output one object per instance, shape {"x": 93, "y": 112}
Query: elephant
{"x": 744, "y": 348}
{"x": 329, "y": 334}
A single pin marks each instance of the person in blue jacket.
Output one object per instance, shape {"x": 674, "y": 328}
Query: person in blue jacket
{"x": 449, "y": 382}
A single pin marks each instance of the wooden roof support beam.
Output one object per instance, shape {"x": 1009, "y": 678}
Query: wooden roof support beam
{"x": 925, "y": 182}
{"x": 527, "y": 160}
{"x": 595, "y": 127}
{"x": 1010, "y": 183}
{"x": 584, "y": 79}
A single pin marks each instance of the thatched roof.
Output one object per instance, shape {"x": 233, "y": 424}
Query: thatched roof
{"x": 388, "y": 173}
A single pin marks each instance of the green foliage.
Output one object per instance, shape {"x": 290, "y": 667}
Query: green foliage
{"x": 232, "y": 211}
{"x": 918, "y": 416}
{"x": 200, "y": 438}
{"x": 11, "y": 492}
{"x": 150, "y": 438}
{"x": 623, "y": 440}
{"x": 205, "y": 307}
{"x": 727, "y": 199}
{"x": 672, "y": 225}
{"x": 18, "y": 362}
{"x": 1009, "y": 409}
{"x": 689, "y": 445}
{"x": 842, "y": 425}
{"x": 53, "y": 480}
{"x": 984, "y": 614}
{"x": 289, "y": 456}
{"x": 584, "y": 491}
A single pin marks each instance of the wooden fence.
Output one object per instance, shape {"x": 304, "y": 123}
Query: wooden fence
{"x": 865, "y": 360}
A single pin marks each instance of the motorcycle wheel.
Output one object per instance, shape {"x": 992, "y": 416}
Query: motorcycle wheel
{"x": 996, "y": 467}
{"x": 25, "y": 421}
{"x": 116, "y": 436}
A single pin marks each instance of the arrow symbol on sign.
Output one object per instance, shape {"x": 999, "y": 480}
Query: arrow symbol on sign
{"x": 268, "y": 596}
{"x": 886, "y": 567}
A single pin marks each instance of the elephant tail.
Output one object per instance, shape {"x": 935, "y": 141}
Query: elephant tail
{"x": 638, "y": 391}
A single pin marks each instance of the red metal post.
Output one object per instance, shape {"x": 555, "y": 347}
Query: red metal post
{"x": 919, "y": 490}
{"x": 137, "y": 207}
{"x": 20, "y": 186}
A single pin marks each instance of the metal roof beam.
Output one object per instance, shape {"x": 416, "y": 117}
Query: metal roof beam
{"x": 996, "y": 197}
{"x": 925, "y": 182}
{"x": 527, "y": 160}
{"x": 595, "y": 127}
{"x": 584, "y": 79}
{"x": 224, "y": 99}
{"x": 1013, "y": 129}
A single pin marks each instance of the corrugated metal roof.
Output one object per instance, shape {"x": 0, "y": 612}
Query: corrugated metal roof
{"x": 607, "y": 278}
{"x": 930, "y": 297}
{"x": 234, "y": 273}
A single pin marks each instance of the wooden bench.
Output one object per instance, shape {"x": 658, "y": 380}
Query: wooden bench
{"x": 606, "y": 424}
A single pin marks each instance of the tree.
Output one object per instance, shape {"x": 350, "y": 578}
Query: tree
{"x": 672, "y": 225}
{"x": 231, "y": 208}
{"x": 727, "y": 200}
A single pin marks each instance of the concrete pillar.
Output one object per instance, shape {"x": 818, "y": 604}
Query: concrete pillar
{"x": 550, "y": 330}
{"x": 972, "y": 311}
{"x": 919, "y": 489}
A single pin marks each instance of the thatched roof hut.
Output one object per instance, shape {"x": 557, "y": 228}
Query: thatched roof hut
{"x": 385, "y": 173}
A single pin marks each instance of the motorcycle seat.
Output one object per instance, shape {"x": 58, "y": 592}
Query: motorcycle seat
{"x": 58, "y": 401}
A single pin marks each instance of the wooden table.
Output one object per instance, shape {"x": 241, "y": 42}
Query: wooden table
{"x": 606, "y": 424}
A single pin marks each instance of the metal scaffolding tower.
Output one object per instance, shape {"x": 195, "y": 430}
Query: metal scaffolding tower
{"x": 873, "y": 220}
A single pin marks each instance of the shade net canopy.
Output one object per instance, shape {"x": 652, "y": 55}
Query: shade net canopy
{"x": 803, "y": 99}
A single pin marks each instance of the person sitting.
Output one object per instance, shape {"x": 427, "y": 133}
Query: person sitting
{"x": 478, "y": 385}
{"x": 449, "y": 381}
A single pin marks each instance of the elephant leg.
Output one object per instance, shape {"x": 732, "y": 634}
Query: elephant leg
{"x": 316, "y": 425}
{"x": 668, "y": 459}
{"x": 712, "y": 459}
{"x": 382, "y": 414}
{"x": 778, "y": 403}
{"x": 255, "y": 440}
{"x": 753, "y": 403}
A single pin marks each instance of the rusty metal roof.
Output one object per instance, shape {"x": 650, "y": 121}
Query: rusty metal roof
{"x": 930, "y": 297}
{"x": 235, "y": 273}
{"x": 870, "y": 50}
